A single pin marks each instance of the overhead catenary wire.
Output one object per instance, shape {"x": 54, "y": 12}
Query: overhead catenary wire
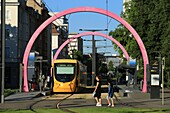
{"x": 107, "y": 8}
{"x": 52, "y": 11}
{"x": 107, "y": 14}
{"x": 108, "y": 21}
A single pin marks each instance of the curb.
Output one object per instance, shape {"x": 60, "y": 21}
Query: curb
{"x": 44, "y": 93}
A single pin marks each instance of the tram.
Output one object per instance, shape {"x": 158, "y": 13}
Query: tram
{"x": 68, "y": 75}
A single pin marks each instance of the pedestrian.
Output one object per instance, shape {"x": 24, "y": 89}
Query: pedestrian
{"x": 97, "y": 91}
{"x": 110, "y": 93}
{"x": 41, "y": 82}
{"x": 48, "y": 81}
{"x": 33, "y": 86}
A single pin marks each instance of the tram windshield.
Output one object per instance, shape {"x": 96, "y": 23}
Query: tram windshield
{"x": 64, "y": 72}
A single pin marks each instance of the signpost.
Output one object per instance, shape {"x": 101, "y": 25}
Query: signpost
{"x": 155, "y": 76}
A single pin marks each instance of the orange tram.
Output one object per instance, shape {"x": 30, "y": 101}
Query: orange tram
{"x": 69, "y": 75}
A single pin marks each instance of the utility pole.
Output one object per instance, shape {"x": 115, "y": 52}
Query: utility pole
{"x": 93, "y": 52}
{"x": 2, "y": 70}
{"x": 94, "y": 60}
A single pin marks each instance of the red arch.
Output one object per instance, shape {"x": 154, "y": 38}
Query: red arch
{"x": 91, "y": 33}
{"x": 84, "y": 9}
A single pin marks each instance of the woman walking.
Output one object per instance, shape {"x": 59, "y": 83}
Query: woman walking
{"x": 110, "y": 94}
{"x": 97, "y": 91}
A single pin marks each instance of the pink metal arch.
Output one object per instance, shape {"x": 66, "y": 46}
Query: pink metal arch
{"x": 84, "y": 9}
{"x": 91, "y": 33}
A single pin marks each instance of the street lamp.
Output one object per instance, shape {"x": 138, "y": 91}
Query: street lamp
{"x": 2, "y": 70}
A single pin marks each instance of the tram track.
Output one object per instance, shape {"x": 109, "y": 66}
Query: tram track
{"x": 64, "y": 109}
{"x": 120, "y": 101}
{"x": 34, "y": 103}
{"x": 60, "y": 100}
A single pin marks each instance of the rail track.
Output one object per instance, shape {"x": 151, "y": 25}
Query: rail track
{"x": 60, "y": 98}
{"x": 57, "y": 104}
{"x": 64, "y": 109}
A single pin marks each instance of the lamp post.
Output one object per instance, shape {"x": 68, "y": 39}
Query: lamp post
{"x": 93, "y": 52}
{"x": 2, "y": 73}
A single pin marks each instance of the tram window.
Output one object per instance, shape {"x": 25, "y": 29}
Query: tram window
{"x": 65, "y": 70}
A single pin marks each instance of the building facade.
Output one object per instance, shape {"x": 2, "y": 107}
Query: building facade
{"x": 22, "y": 19}
{"x": 76, "y": 44}
{"x": 59, "y": 36}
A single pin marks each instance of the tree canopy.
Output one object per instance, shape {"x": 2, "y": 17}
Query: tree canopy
{"x": 151, "y": 20}
{"x": 77, "y": 55}
{"x": 111, "y": 66}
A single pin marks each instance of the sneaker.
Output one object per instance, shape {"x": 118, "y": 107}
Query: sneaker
{"x": 113, "y": 106}
{"x": 109, "y": 105}
{"x": 98, "y": 104}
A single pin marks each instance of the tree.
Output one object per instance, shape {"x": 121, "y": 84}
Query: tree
{"x": 77, "y": 55}
{"x": 110, "y": 66}
{"x": 103, "y": 68}
{"x": 151, "y": 20}
{"x": 124, "y": 36}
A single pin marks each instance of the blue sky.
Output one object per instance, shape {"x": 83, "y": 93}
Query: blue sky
{"x": 89, "y": 20}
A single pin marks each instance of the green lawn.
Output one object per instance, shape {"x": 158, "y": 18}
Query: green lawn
{"x": 91, "y": 110}
{"x": 8, "y": 92}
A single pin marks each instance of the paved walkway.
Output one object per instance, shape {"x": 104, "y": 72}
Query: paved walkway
{"x": 127, "y": 97}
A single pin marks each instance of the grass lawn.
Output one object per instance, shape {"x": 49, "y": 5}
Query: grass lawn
{"x": 119, "y": 110}
{"x": 91, "y": 110}
{"x": 8, "y": 92}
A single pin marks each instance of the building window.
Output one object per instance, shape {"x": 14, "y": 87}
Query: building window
{"x": 8, "y": 15}
{"x": 7, "y": 32}
{"x": 7, "y": 52}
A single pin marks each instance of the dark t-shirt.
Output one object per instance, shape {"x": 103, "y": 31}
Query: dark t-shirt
{"x": 98, "y": 91}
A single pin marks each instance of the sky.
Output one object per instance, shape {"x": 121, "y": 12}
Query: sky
{"x": 89, "y": 20}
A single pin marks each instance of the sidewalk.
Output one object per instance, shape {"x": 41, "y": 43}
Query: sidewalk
{"x": 134, "y": 98}
{"x": 138, "y": 99}
{"x": 21, "y": 96}
{"x": 22, "y": 100}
